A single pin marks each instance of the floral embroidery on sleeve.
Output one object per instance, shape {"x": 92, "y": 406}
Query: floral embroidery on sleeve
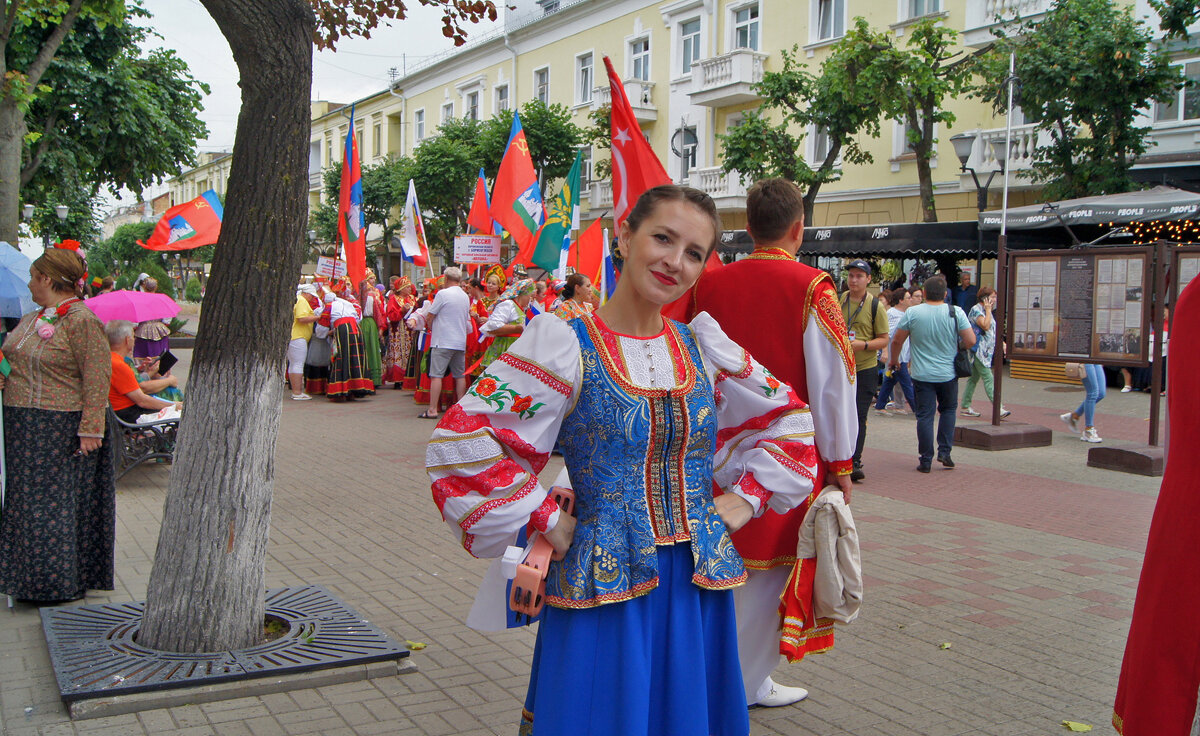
{"x": 772, "y": 382}
{"x": 501, "y": 396}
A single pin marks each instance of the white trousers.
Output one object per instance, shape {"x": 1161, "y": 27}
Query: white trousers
{"x": 757, "y": 605}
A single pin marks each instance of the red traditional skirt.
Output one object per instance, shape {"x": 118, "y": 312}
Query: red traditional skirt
{"x": 347, "y": 374}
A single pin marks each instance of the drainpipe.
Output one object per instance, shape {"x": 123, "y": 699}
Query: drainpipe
{"x": 513, "y": 83}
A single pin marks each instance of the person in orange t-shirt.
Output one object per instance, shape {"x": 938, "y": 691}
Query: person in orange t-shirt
{"x": 127, "y": 398}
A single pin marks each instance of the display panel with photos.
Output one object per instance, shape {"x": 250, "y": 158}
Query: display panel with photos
{"x": 1080, "y": 305}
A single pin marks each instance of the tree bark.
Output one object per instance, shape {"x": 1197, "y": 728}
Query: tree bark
{"x": 206, "y": 590}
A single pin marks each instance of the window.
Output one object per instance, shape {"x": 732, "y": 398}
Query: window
{"x": 1186, "y": 102}
{"x": 745, "y": 28}
{"x": 585, "y": 169}
{"x": 502, "y": 98}
{"x": 376, "y": 139}
{"x": 820, "y": 146}
{"x": 831, "y": 19}
{"x": 689, "y": 144}
{"x": 447, "y": 111}
{"x": 689, "y": 36}
{"x": 639, "y": 58}
{"x": 583, "y": 78}
{"x": 329, "y": 150}
{"x": 419, "y": 125}
{"x": 917, "y": 8}
{"x": 472, "y": 106}
{"x": 541, "y": 84}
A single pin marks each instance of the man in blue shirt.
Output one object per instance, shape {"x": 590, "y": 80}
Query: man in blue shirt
{"x": 934, "y": 330}
{"x": 965, "y": 295}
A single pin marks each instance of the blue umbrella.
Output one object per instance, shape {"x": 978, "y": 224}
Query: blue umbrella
{"x": 15, "y": 299}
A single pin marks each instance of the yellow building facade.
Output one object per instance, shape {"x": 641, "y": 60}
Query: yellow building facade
{"x": 688, "y": 67}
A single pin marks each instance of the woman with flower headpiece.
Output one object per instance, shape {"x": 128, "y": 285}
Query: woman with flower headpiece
{"x": 508, "y": 319}
{"x": 400, "y": 301}
{"x": 374, "y": 326}
{"x": 56, "y": 533}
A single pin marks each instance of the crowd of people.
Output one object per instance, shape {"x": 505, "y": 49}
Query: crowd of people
{"x": 346, "y": 343}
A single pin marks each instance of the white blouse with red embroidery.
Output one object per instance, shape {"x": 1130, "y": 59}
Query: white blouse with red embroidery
{"x": 486, "y": 452}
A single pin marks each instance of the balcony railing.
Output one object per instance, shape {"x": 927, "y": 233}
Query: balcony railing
{"x": 726, "y": 80}
{"x": 722, "y": 187}
{"x": 641, "y": 99}
{"x": 601, "y": 194}
{"x": 984, "y": 15}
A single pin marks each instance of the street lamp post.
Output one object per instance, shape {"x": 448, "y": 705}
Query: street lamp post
{"x": 964, "y": 144}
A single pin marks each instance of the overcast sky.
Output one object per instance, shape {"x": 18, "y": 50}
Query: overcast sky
{"x": 358, "y": 68}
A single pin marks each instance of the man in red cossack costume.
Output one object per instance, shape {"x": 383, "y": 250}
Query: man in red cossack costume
{"x": 786, "y": 314}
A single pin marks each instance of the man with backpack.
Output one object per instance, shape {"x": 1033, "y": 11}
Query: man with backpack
{"x": 867, "y": 325}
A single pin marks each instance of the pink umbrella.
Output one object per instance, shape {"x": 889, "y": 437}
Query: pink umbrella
{"x": 135, "y": 306}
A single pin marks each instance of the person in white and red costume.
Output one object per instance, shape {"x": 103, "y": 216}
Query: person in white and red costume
{"x": 787, "y": 315}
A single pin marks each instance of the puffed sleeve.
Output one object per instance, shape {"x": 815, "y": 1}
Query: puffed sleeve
{"x": 90, "y": 347}
{"x": 765, "y": 450}
{"x": 505, "y": 313}
{"x": 487, "y": 450}
{"x": 830, "y": 373}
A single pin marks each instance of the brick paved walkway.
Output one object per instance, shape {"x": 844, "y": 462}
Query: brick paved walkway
{"x": 1024, "y": 562}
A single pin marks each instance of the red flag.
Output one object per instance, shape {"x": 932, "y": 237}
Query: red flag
{"x": 479, "y": 218}
{"x": 516, "y": 197}
{"x": 188, "y": 225}
{"x": 350, "y": 216}
{"x": 589, "y": 252}
{"x": 635, "y": 168}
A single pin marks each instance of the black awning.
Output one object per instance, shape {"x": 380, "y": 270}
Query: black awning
{"x": 1157, "y": 203}
{"x": 904, "y": 240}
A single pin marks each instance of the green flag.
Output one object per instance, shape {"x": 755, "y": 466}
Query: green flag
{"x": 561, "y": 216}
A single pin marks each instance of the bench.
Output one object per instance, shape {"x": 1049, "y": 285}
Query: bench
{"x": 134, "y": 444}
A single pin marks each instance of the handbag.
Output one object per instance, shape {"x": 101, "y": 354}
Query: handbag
{"x": 1074, "y": 371}
{"x": 962, "y": 358}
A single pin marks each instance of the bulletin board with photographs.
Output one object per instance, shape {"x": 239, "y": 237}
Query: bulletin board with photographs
{"x": 1185, "y": 268}
{"x": 1080, "y": 305}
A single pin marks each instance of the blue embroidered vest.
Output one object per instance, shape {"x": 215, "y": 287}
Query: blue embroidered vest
{"x": 640, "y": 462}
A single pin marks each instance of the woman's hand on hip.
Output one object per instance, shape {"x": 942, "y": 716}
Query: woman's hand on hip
{"x": 734, "y": 510}
{"x": 88, "y": 444}
{"x": 562, "y": 534}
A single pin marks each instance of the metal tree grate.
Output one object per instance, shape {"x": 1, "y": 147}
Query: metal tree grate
{"x": 94, "y": 649}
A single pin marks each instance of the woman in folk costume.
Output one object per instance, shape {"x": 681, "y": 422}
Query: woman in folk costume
{"x": 400, "y": 301}
{"x": 374, "y": 325}
{"x": 638, "y": 636}
{"x": 347, "y": 376}
{"x": 576, "y": 297}
{"x": 1160, "y": 677}
{"x": 320, "y": 353}
{"x": 508, "y": 319}
{"x": 416, "y": 356}
{"x": 421, "y": 396}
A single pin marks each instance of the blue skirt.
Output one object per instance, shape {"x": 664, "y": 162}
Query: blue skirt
{"x": 662, "y": 664}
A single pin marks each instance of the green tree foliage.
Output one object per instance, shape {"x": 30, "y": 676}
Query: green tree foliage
{"x": 110, "y": 114}
{"x": 444, "y": 169}
{"x": 1176, "y": 15}
{"x": 846, "y": 101}
{"x": 192, "y": 290}
{"x": 1085, "y": 70}
{"x": 553, "y": 139}
{"x": 82, "y": 223}
{"x": 927, "y": 72}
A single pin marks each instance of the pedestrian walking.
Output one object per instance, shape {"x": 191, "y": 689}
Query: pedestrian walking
{"x": 867, "y": 327}
{"x": 935, "y": 330}
{"x": 901, "y": 300}
{"x": 1095, "y": 390}
{"x": 984, "y": 326}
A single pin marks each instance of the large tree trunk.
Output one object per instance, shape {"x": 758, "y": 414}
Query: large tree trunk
{"x": 206, "y": 590}
{"x": 12, "y": 132}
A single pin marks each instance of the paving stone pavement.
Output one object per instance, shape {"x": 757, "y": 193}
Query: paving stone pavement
{"x": 1023, "y": 562}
